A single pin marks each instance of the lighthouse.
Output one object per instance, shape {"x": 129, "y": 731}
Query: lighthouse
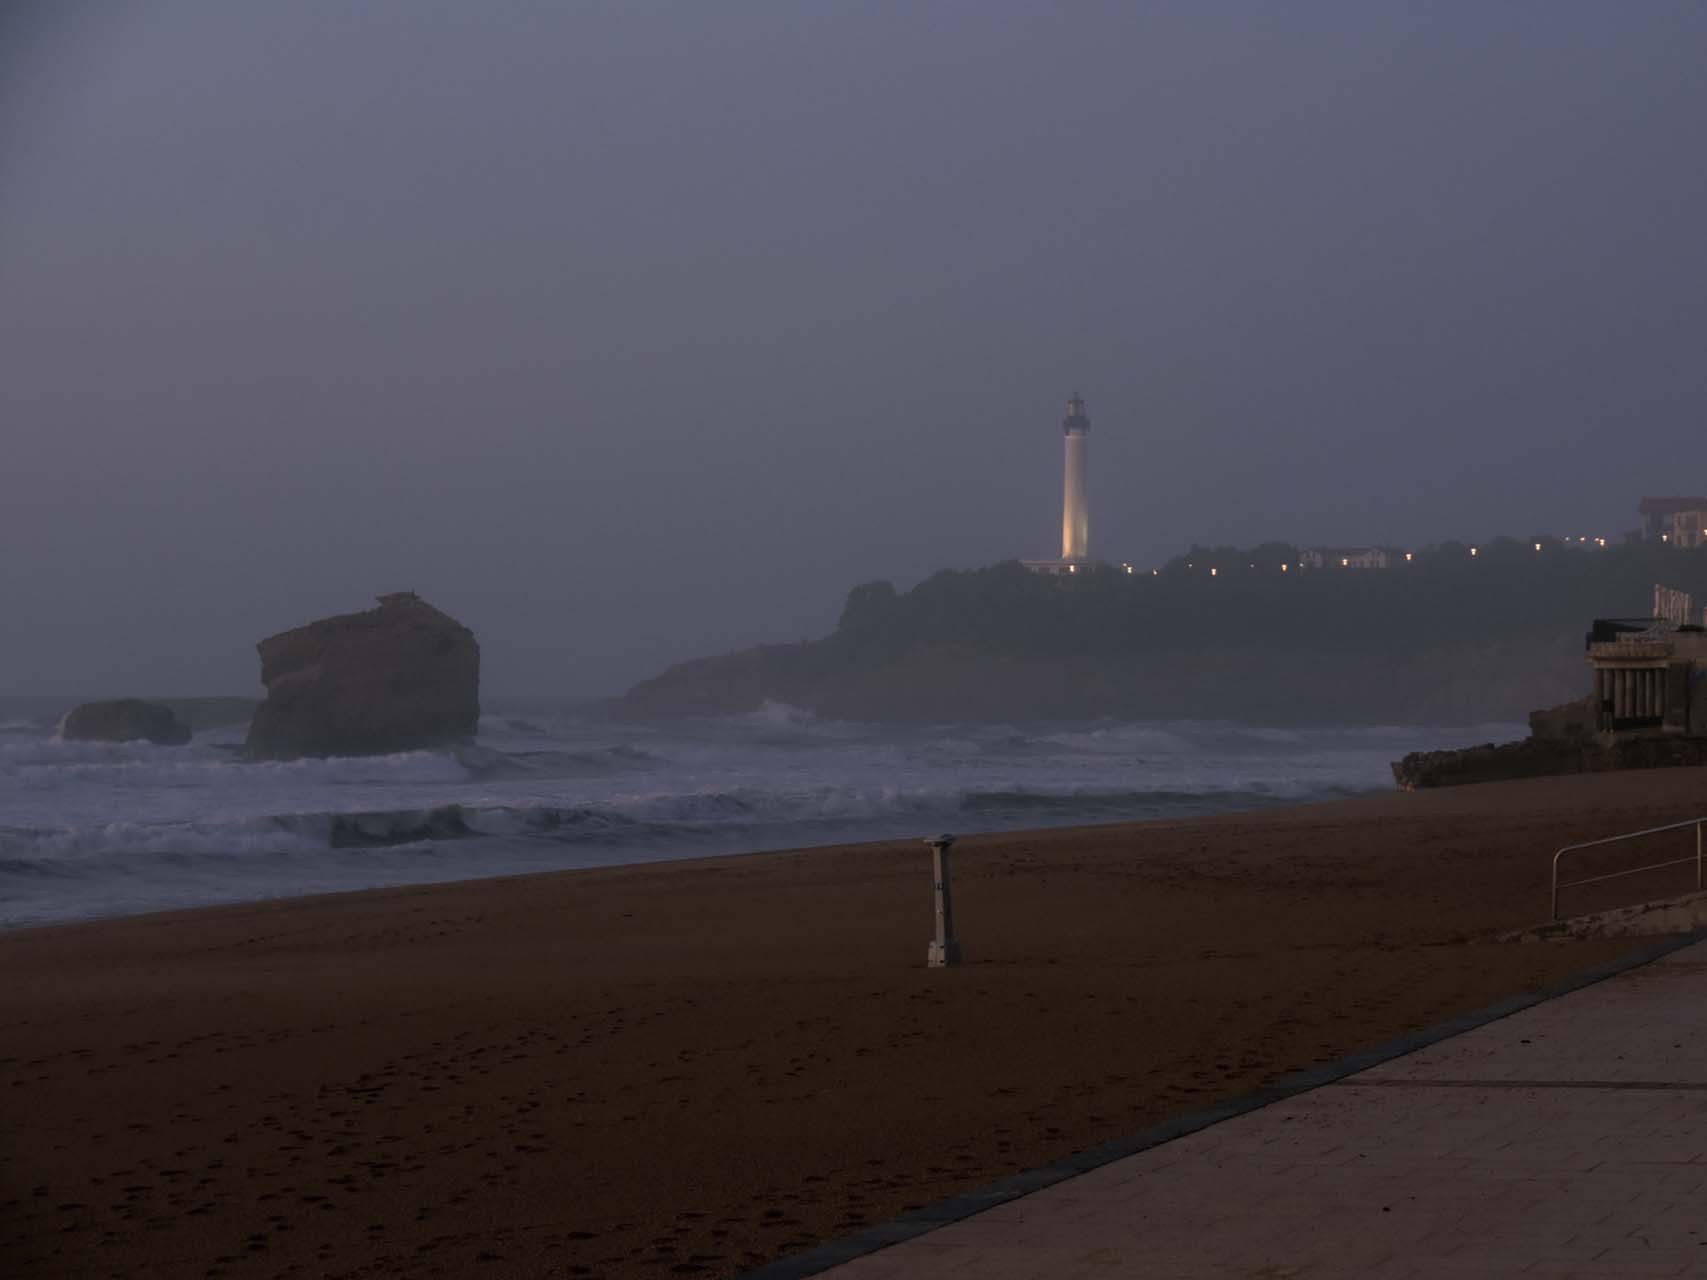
{"x": 1075, "y": 499}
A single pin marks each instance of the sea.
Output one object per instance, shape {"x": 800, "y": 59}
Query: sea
{"x": 90, "y": 830}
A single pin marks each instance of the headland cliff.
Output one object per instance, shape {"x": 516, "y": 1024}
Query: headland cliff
{"x": 1446, "y": 638}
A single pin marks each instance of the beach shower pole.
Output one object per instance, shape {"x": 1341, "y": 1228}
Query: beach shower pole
{"x": 945, "y": 949}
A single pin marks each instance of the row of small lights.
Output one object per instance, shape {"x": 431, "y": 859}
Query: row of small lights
{"x": 1345, "y": 561}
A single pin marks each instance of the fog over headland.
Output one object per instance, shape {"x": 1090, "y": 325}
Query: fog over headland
{"x": 632, "y": 332}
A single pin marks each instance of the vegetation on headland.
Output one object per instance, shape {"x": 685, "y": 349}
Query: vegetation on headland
{"x": 1447, "y": 637}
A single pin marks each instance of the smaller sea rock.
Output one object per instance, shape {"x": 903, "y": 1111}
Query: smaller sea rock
{"x": 124, "y": 720}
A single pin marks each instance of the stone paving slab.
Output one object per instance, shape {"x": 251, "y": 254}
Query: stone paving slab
{"x": 1569, "y": 1139}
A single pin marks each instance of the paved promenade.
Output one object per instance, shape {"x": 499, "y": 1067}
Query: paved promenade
{"x": 1566, "y": 1140}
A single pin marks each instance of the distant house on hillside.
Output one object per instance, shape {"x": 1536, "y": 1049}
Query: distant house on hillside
{"x": 1344, "y": 558}
{"x": 1056, "y": 566}
{"x": 1679, "y": 521}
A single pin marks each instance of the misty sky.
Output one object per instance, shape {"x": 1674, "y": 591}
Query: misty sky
{"x": 629, "y": 332}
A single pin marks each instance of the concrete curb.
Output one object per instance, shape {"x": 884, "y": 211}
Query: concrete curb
{"x": 816, "y": 1261}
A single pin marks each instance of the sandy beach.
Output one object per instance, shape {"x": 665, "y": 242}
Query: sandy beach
{"x": 693, "y": 1068}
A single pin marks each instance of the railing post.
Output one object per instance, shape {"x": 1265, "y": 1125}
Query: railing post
{"x": 1700, "y": 858}
{"x": 944, "y": 949}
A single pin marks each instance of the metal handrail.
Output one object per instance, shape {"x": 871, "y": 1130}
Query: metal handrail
{"x": 1614, "y": 875}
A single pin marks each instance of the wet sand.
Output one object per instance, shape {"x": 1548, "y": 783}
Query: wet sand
{"x": 692, "y": 1068}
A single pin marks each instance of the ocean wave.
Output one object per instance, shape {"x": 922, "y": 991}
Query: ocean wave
{"x": 1118, "y": 739}
{"x": 107, "y": 828}
{"x": 1146, "y": 803}
{"x": 779, "y": 715}
{"x": 1485, "y": 731}
{"x": 782, "y": 723}
{"x": 627, "y": 820}
{"x": 545, "y": 762}
{"x": 53, "y": 762}
{"x": 60, "y": 848}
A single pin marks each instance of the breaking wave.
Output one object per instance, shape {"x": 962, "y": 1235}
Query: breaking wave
{"x": 92, "y": 829}
{"x": 626, "y": 820}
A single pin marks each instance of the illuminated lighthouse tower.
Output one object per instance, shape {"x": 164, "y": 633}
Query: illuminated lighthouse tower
{"x": 1075, "y": 497}
{"x": 1075, "y": 501}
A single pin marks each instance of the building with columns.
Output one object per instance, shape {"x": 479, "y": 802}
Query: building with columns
{"x": 1650, "y": 676}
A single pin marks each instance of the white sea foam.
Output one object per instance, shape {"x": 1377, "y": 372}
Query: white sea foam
{"x": 98, "y": 829}
{"x": 779, "y": 715}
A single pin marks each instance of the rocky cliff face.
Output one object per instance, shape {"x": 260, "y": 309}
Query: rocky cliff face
{"x": 1448, "y": 639}
{"x": 1562, "y": 739}
{"x": 124, "y": 720}
{"x": 1466, "y": 685}
{"x": 1568, "y": 722}
{"x": 1544, "y": 757}
{"x": 1493, "y": 762}
{"x": 396, "y": 678}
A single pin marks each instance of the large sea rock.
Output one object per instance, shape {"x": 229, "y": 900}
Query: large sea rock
{"x": 396, "y": 678}
{"x": 124, "y": 720}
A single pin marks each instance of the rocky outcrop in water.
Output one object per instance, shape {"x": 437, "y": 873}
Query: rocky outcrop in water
{"x": 212, "y": 712}
{"x": 1544, "y": 757}
{"x": 396, "y": 678}
{"x": 1489, "y": 762}
{"x": 124, "y": 720}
